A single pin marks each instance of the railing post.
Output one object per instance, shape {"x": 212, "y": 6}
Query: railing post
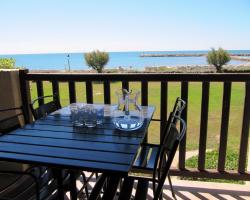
{"x": 164, "y": 107}
{"x": 245, "y": 131}
{"x": 39, "y": 87}
{"x": 72, "y": 92}
{"x": 106, "y": 87}
{"x": 144, "y": 99}
{"x": 224, "y": 126}
{"x": 55, "y": 90}
{"x": 182, "y": 147}
{"x": 125, "y": 85}
{"x": 144, "y": 93}
{"x": 203, "y": 126}
{"x": 25, "y": 93}
{"x": 89, "y": 92}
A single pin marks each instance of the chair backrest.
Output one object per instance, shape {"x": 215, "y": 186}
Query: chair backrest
{"x": 46, "y": 108}
{"x": 177, "y": 111}
{"x": 11, "y": 119}
{"x": 167, "y": 153}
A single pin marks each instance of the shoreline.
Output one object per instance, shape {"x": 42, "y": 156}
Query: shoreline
{"x": 161, "y": 69}
{"x": 241, "y": 56}
{"x": 188, "y": 55}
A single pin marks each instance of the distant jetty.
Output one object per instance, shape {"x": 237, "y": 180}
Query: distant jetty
{"x": 188, "y": 55}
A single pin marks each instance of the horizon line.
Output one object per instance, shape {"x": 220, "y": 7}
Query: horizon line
{"x": 121, "y": 51}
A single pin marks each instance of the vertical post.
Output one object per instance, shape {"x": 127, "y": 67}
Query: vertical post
{"x": 72, "y": 92}
{"x": 125, "y": 85}
{"x": 55, "y": 90}
{"x": 89, "y": 92}
{"x": 203, "y": 126}
{"x": 25, "y": 93}
{"x": 182, "y": 147}
{"x": 40, "y": 93}
{"x": 106, "y": 87}
{"x": 224, "y": 126}
{"x": 144, "y": 99}
{"x": 164, "y": 107}
{"x": 144, "y": 93}
{"x": 245, "y": 131}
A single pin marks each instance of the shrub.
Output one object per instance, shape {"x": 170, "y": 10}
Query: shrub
{"x": 218, "y": 58}
{"x": 7, "y": 63}
{"x": 97, "y": 60}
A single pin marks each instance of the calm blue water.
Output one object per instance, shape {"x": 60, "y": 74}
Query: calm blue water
{"x": 58, "y": 61}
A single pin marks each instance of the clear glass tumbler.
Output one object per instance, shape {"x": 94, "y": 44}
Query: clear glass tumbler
{"x": 99, "y": 114}
{"x": 89, "y": 116}
{"x": 75, "y": 115}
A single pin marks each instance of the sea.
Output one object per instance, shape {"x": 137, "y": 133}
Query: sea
{"x": 126, "y": 60}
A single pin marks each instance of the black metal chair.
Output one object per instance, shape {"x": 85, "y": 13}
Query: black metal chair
{"x": 146, "y": 157}
{"x": 22, "y": 181}
{"x": 45, "y": 108}
{"x": 161, "y": 164}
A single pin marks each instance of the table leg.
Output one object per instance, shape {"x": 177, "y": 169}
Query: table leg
{"x": 73, "y": 192}
{"x": 111, "y": 189}
{"x": 59, "y": 178}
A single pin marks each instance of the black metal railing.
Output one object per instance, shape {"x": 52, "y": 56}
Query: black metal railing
{"x": 164, "y": 78}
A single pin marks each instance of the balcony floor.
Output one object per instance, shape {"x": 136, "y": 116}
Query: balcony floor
{"x": 194, "y": 190}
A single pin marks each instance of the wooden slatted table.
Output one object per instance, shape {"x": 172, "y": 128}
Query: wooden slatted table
{"x": 54, "y": 142}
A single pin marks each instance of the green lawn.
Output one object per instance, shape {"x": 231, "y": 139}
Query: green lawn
{"x": 194, "y": 109}
{"x": 211, "y": 163}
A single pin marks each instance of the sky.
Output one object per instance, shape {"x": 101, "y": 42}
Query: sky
{"x": 50, "y": 26}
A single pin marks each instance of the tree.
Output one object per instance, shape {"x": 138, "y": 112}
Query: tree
{"x": 97, "y": 60}
{"x": 7, "y": 63}
{"x": 218, "y": 58}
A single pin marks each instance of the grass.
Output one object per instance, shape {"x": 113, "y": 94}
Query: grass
{"x": 194, "y": 109}
{"x": 212, "y": 163}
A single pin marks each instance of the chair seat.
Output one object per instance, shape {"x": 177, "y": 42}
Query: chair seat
{"x": 146, "y": 157}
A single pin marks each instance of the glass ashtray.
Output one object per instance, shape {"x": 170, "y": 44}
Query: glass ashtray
{"x": 130, "y": 122}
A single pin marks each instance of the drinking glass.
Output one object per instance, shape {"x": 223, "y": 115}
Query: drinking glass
{"x": 89, "y": 116}
{"x": 76, "y": 115}
{"x": 99, "y": 114}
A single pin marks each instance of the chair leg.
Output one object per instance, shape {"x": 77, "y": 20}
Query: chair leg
{"x": 171, "y": 187}
{"x": 160, "y": 197}
{"x": 85, "y": 182}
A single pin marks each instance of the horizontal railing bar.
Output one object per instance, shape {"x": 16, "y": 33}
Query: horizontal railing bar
{"x": 233, "y": 175}
{"x": 135, "y": 77}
